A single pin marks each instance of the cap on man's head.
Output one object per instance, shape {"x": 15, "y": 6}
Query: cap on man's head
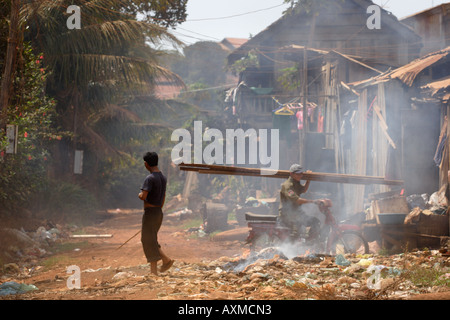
{"x": 296, "y": 168}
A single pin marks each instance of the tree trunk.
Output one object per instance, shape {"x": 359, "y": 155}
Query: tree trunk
{"x": 10, "y": 63}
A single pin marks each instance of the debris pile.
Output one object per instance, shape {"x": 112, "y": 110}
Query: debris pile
{"x": 26, "y": 247}
{"x": 271, "y": 276}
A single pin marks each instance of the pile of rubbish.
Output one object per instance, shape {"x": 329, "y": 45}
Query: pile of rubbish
{"x": 182, "y": 214}
{"x": 268, "y": 275}
{"x": 26, "y": 247}
{"x": 436, "y": 203}
{"x": 13, "y": 288}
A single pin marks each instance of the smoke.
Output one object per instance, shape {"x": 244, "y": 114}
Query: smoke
{"x": 284, "y": 251}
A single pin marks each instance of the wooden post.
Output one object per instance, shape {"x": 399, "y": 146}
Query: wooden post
{"x": 10, "y": 63}
{"x": 361, "y": 162}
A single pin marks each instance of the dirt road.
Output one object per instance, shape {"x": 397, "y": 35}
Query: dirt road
{"x": 206, "y": 270}
{"x": 100, "y": 259}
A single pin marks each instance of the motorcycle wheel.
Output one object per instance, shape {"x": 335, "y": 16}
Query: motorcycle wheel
{"x": 349, "y": 242}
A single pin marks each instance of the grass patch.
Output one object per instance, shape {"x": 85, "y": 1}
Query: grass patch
{"x": 55, "y": 261}
{"x": 69, "y": 246}
{"x": 428, "y": 277}
{"x": 60, "y": 256}
{"x": 192, "y": 223}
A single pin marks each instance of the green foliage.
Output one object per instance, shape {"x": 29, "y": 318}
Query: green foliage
{"x": 121, "y": 182}
{"x": 196, "y": 93}
{"x": 164, "y": 12}
{"x": 103, "y": 76}
{"x": 66, "y": 202}
{"x": 428, "y": 277}
{"x": 22, "y": 174}
{"x": 290, "y": 78}
{"x": 203, "y": 62}
{"x": 251, "y": 60}
{"x": 98, "y": 69}
{"x": 311, "y": 6}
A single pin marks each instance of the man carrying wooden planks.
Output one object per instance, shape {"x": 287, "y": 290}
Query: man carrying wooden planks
{"x": 291, "y": 213}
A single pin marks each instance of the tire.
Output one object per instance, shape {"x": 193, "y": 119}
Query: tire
{"x": 350, "y": 242}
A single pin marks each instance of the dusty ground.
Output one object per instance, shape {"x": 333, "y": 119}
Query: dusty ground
{"x": 104, "y": 255}
{"x": 198, "y": 273}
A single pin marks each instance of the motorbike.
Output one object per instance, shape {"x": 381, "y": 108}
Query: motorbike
{"x": 333, "y": 238}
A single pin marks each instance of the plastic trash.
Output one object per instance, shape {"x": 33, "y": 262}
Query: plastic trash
{"x": 201, "y": 233}
{"x": 341, "y": 261}
{"x": 415, "y": 201}
{"x": 42, "y": 234}
{"x": 12, "y": 287}
{"x": 289, "y": 283}
{"x": 365, "y": 262}
{"x": 123, "y": 275}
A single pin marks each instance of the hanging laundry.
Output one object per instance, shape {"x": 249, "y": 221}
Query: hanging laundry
{"x": 320, "y": 122}
{"x": 231, "y": 96}
{"x": 284, "y": 111}
{"x": 440, "y": 151}
{"x": 441, "y": 144}
{"x": 299, "y": 116}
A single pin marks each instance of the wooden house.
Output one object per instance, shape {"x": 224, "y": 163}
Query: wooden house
{"x": 433, "y": 25}
{"x": 339, "y": 31}
{"x": 402, "y": 124}
{"x": 401, "y": 132}
{"x": 301, "y": 63}
{"x": 231, "y": 44}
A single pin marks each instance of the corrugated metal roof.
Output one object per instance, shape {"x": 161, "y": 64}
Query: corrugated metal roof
{"x": 409, "y": 72}
{"x": 299, "y": 49}
{"x": 439, "y": 89}
{"x": 272, "y": 30}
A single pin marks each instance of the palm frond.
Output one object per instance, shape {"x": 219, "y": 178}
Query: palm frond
{"x": 113, "y": 111}
{"x": 97, "y": 142}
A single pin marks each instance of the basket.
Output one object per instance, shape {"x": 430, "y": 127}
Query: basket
{"x": 391, "y": 218}
{"x": 433, "y": 225}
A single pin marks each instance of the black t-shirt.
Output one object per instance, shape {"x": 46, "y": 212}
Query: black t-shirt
{"x": 155, "y": 184}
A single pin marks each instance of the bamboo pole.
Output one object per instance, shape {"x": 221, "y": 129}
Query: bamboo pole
{"x": 284, "y": 174}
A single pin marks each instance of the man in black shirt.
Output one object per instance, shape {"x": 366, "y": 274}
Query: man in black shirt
{"x": 153, "y": 193}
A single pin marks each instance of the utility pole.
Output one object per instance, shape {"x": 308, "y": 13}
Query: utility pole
{"x": 303, "y": 133}
{"x": 10, "y": 63}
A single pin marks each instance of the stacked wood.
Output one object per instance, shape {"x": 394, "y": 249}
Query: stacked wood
{"x": 284, "y": 174}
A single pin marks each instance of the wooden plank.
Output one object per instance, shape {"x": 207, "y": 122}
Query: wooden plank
{"x": 86, "y": 236}
{"x": 284, "y": 174}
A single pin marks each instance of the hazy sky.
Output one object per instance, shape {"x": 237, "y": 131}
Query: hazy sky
{"x": 213, "y": 20}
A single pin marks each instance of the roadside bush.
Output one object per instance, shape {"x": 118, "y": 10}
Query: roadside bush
{"x": 22, "y": 175}
{"x": 66, "y": 202}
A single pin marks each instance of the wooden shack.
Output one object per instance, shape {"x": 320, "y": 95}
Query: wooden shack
{"x": 296, "y": 70}
{"x": 433, "y": 25}
{"x": 335, "y": 34}
{"x": 406, "y": 135}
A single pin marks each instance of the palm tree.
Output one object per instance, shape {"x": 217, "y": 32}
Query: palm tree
{"x": 98, "y": 69}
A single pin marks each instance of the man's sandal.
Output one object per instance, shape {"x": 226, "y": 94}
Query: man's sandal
{"x": 166, "y": 266}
